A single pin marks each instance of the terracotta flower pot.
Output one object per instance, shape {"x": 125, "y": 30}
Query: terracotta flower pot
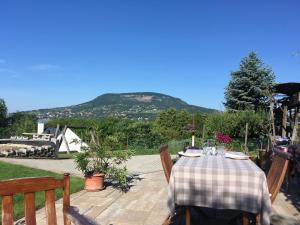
{"x": 94, "y": 182}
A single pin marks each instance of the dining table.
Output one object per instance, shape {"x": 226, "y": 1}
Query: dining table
{"x": 218, "y": 182}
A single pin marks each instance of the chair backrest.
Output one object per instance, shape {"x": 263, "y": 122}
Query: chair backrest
{"x": 277, "y": 173}
{"x": 28, "y": 187}
{"x": 298, "y": 147}
{"x": 166, "y": 161}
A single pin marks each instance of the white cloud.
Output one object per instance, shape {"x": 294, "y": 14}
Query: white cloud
{"x": 44, "y": 67}
{"x": 2, "y": 61}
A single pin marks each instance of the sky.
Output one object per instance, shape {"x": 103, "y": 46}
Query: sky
{"x": 58, "y": 53}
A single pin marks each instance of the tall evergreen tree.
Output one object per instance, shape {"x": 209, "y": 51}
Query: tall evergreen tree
{"x": 250, "y": 86}
{"x": 3, "y": 112}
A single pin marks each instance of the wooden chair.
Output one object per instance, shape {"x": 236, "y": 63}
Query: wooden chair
{"x": 297, "y": 165}
{"x": 275, "y": 178}
{"x": 277, "y": 173}
{"x": 167, "y": 165}
{"x": 28, "y": 187}
{"x": 166, "y": 161}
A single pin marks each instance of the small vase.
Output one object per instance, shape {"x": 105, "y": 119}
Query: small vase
{"x": 94, "y": 182}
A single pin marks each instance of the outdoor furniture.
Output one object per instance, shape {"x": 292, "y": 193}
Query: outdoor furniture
{"x": 167, "y": 165}
{"x": 166, "y": 161}
{"x": 28, "y": 187}
{"x": 275, "y": 177}
{"x": 277, "y": 172}
{"x": 219, "y": 183}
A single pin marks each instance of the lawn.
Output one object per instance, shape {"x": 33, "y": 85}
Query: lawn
{"x": 9, "y": 171}
{"x": 64, "y": 155}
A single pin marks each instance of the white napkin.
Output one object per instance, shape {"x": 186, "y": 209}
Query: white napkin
{"x": 189, "y": 154}
{"x": 236, "y": 155}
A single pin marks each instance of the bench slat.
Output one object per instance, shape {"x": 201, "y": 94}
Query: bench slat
{"x": 29, "y": 204}
{"x": 50, "y": 207}
{"x": 25, "y": 185}
{"x": 7, "y": 210}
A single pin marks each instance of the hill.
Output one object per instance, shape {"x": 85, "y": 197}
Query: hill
{"x": 137, "y": 105}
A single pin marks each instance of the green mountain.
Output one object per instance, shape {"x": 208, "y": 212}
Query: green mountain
{"x": 137, "y": 105}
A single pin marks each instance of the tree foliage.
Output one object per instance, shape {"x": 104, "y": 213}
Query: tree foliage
{"x": 172, "y": 124}
{"x": 234, "y": 123}
{"x": 19, "y": 123}
{"x": 16, "y": 123}
{"x": 250, "y": 86}
{"x": 3, "y": 112}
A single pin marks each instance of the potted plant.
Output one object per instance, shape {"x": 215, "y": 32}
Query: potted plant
{"x": 102, "y": 158}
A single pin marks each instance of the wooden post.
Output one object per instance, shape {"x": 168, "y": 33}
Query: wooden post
{"x": 65, "y": 140}
{"x": 193, "y": 131}
{"x": 284, "y": 120}
{"x": 271, "y": 129}
{"x": 56, "y": 131}
{"x": 246, "y": 138}
{"x": 272, "y": 116}
{"x": 93, "y": 139}
{"x": 295, "y": 124}
{"x": 203, "y": 132}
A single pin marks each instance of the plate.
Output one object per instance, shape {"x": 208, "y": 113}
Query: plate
{"x": 236, "y": 155}
{"x": 189, "y": 154}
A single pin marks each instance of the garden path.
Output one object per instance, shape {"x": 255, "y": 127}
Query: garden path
{"x": 137, "y": 164}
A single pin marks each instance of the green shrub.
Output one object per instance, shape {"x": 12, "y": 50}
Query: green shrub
{"x": 234, "y": 123}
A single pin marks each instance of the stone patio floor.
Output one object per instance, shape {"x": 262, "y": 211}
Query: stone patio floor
{"x": 146, "y": 201}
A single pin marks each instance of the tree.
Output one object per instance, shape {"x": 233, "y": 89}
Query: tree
{"x": 250, "y": 86}
{"x": 19, "y": 123}
{"x": 172, "y": 124}
{"x": 3, "y": 112}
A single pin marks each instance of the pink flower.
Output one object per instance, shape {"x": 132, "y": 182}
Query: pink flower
{"x": 223, "y": 138}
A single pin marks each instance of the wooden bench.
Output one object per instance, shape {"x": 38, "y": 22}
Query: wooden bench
{"x": 28, "y": 187}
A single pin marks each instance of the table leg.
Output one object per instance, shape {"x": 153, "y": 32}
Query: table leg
{"x": 298, "y": 182}
{"x": 288, "y": 178}
{"x": 187, "y": 216}
{"x": 257, "y": 219}
{"x": 246, "y": 220}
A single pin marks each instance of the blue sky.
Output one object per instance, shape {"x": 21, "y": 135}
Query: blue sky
{"x": 58, "y": 53}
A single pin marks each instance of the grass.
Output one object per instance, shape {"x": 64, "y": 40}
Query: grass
{"x": 65, "y": 155}
{"x": 9, "y": 171}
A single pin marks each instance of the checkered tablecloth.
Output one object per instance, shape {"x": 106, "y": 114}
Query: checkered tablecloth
{"x": 220, "y": 183}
